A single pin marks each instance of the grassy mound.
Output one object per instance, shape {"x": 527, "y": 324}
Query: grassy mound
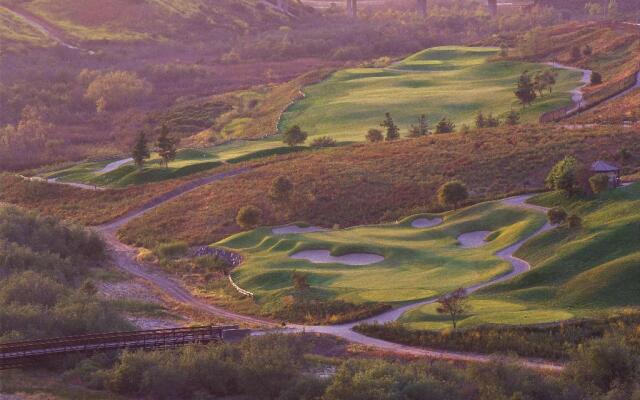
{"x": 452, "y": 81}
{"x": 576, "y": 272}
{"x": 419, "y": 263}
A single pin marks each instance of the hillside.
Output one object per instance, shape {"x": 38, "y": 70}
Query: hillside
{"x": 157, "y": 20}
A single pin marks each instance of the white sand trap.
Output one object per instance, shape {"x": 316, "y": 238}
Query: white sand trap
{"x": 292, "y": 229}
{"x": 426, "y": 222}
{"x": 114, "y": 165}
{"x": 325, "y": 257}
{"x": 473, "y": 239}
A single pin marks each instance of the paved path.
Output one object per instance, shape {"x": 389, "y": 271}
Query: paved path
{"x": 125, "y": 258}
{"x": 577, "y": 94}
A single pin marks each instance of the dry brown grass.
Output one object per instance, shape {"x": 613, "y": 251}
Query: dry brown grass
{"x": 373, "y": 183}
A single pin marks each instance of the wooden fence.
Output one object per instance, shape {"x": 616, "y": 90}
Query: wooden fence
{"x": 18, "y": 354}
{"x": 591, "y": 99}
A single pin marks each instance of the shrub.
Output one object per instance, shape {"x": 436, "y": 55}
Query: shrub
{"x": 587, "y": 50}
{"x": 323, "y": 141}
{"x": 249, "y": 217}
{"x": 574, "y": 221}
{"x": 452, "y": 194}
{"x": 599, "y": 183}
{"x": 375, "y": 135}
{"x": 556, "y": 216}
{"x": 576, "y": 53}
{"x": 445, "y": 125}
{"x": 281, "y": 189}
{"x": 171, "y": 250}
{"x": 596, "y": 78}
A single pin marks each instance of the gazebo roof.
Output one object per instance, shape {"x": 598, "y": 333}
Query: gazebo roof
{"x": 601, "y": 166}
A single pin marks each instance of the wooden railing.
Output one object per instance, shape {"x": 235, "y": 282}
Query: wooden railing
{"x": 591, "y": 99}
{"x": 18, "y": 354}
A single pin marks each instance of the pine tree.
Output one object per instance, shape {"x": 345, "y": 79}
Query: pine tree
{"x": 167, "y": 146}
{"x": 480, "y": 122}
{"x": 392, "y": 129}
{"x": 422, "y": 129}
{"x": 140, "y": 150}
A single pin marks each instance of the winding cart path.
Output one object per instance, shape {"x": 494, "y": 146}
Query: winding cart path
{"x": 125, "y": 257}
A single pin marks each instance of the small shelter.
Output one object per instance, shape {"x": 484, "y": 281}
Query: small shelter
{"x": 612, "y": 171}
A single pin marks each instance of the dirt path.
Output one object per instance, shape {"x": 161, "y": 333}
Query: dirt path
{"x": 125, "y": 257}
{"x": 43, "y": 26}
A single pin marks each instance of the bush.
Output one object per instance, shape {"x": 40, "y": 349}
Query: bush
{"x": 324, "y": 141}
{"x": 452, "y": 194}
{"x": 556, "y": 216}
{"x": 564, "y": 176}
{"x": 248, "y": 217}
{"x": 599, "y": 183}
{"x": 116, "y": 90}
{"x": 574, "y": 221}
{"x": 374, "y": 136}
{"x": 596, "y": 78}
{"x": 172, "y": 250}
{"x": 445, "y": 125}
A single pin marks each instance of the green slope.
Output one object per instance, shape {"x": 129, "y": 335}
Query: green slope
{"x": 455, "y": 82}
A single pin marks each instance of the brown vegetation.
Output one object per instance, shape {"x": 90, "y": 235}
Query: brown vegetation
{"x": 378, "y": 182}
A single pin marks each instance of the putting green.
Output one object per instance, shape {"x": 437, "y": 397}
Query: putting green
{"x": 452, "y": 81}
{"x": 418, "y": 263}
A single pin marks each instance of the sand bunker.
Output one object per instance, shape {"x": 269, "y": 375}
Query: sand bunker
{"x": 426, "y": 222}
{"x": 325, "y": 257}
{"x": 291, "y": 229}
{"x": 473, "y": 239}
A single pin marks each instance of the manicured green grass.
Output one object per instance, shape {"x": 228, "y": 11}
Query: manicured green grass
{"x": 582, "y": 272}
{"x": 418, "y": 264}
{"x": 188, "y": 161}
{"x": 455, "y": 82}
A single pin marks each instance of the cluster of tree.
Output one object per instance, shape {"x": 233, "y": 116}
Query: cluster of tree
{"x": 45, "y": 286}
{"x": 275, "y": 367}
{"x": 166, "y": 147}
{"x": 529, "y": 87}
{"x": 391, "y": 131}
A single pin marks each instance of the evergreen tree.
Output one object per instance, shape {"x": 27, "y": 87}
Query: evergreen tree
{"x": 393, "y": 132}
{"x": 525, "y": 91}
{"x": 445, "y": 126}
{"x": 140, "y": 150}
{"x": 167, "y": 146}
{"x": 480, "y": 122}
{"x": 421, "y": 129}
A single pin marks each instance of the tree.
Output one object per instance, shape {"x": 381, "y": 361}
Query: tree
{"x": 596, "y": 78}
{"x": 550, "y": 78}
{"x": 575, "y": 53}
{"x": 140, "y": 150}
{"x": 300, "y": 281}
{"x": 599, "y": 183}
{"x": 374, "y": 135}
{"x": 117, "y": 89}
{"x": 294, "y": 136}
{"x": 393, "y": 132}
{"x": 491, "y": 121}
{"x": 421, "y": 129}
{"x": 480, "y": 121}
{"x": 445, "y": 125}
{"x": 612, "y": 9}
{"x": 454, "y": 304}
{"x": 167, "y": 146}
{"x": 281, "y": 190}
{"x": 556, "y": 216}
{"x": 564, "y": 176}
{"x": 249, "y": 217}
{"x": 525, "y": 91}
{"x": 452, "y": 194}
{"x": 587, "y": 50}
{"x": 504, "y": 49}
{"x": 512, "y": 118}
{"x": 593, "y": 8}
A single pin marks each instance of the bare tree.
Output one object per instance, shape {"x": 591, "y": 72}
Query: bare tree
{"x": 454, "y": 304}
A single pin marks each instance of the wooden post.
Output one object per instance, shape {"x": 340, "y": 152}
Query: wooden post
{"x": 421, "y": 7}
{"x": 493, "y": 7}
